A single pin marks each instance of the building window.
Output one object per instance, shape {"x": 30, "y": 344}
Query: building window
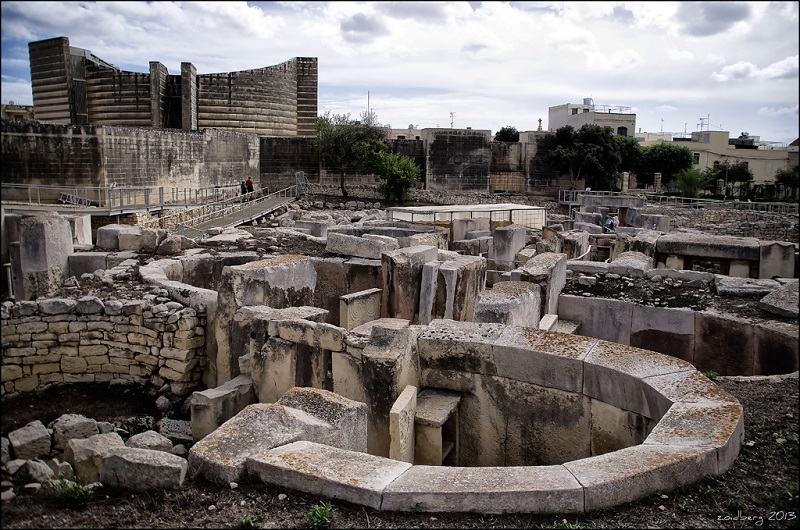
{"x": 695, "y": 158}
{"x": 574, "y": 111}
{"x": 585, "y": 111}
{"x": 716, "y": 164}
{"x": 622, "y": 131}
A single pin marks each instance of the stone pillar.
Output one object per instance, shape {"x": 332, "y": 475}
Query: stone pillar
{"x": 625, "y": 181}
{"x": 188, "y": 97}
{"x": 158, "y": 91}
{"x": 45, "y": 246}
{"x": 508, "y": 240}
{"x": 657, "y": 182}
{"x": 402, "y": 275}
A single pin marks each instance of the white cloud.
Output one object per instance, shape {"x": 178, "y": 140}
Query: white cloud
{"x": 494, "y": 64}
{"x": 782, "y": 111}
{"x": 784, "y": 69}
{"x": 666, "y": 108}
{"x": 679, "y": 55}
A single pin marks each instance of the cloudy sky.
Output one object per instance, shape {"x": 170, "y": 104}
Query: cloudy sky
{"x": 490, "y": 64}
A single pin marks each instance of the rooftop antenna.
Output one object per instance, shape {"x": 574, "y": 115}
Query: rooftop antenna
{"x": 451, "y": 119}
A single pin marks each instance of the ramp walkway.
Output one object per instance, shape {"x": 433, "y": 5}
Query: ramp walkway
{"x": 234, "y": 212}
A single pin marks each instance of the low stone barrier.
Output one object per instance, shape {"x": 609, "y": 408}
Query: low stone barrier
{"x": 61, "y": 340}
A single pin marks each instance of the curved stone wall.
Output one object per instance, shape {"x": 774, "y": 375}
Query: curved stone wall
{"x": 698, "y": 430}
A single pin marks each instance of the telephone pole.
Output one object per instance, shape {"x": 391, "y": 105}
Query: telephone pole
{"x": 451, "y": 119}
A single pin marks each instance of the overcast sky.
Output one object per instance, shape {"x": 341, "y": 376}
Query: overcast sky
{"x": 492, "y": 64}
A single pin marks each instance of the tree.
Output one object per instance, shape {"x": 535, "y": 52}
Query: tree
{"x": 398, "y": 172}
{"x": 690, "y": 182}
{"x": 665, "y": 158}
{"x": 508, "y": 133}
{"x": 590, "y": 153}
{"x": 339, "y": 141}
{"x": 630, "y": 153}
{"x": 789, "y": 178}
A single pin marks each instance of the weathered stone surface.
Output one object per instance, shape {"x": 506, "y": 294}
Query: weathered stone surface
{"x": 170, "y": 245}
{"x": 514, "y": 303}
{"x": 731, "y": 286}
{"x": 31, "y": 441}
{"x": 323, "y": 470}
{"x": 61, "y": 469}
{"x": 777, "y": 350}
{"x": 401, "y": 426}
{"x": 150, "y": 440}
{"x": 708, "y": 246}
{"x": 783, "y": 301}
{"x": 723, "y": 343}
{"x": 85, "y": 455}
{"x": 221, "y": 456}
{"x": 635, "y": 472}
{"x": 108, "y": 235}
{"x": 142, "y": 469}
{"x": 5, "y": 455}
{"x": 402, "y": 272}
{"x": 633, "y": 264}
{"x": 213, "y": 407}
{"x": 551, "y": 489}
{"x": 347, "y": 418}
{"x": 178, "y": 431}
{"x": 69, "y": 426}
{"x": 33, "y": 471}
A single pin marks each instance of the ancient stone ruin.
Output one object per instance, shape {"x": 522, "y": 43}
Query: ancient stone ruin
{"x": 400, "y": 365}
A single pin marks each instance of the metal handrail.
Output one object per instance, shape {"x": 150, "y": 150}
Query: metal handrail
{"x": 116, "y": 199}
{"x": 243, "y": 209}
{"x": 571, "y": 197}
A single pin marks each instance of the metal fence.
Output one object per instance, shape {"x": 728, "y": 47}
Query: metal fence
{"x": 571, "y": 197}
{"x": 116, "y": 200}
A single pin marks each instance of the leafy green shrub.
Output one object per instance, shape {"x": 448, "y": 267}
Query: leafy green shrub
{"x": 711, "y": 374}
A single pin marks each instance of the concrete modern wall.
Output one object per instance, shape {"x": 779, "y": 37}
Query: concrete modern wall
{"x": 73, "y": 86}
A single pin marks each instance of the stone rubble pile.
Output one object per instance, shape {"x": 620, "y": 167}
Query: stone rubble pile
{"x": 94, "y": 454}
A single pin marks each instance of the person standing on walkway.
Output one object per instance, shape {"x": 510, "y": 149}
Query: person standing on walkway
{"x": 249, "y": 185}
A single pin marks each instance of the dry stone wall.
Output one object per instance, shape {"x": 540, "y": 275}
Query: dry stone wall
{"x": 62, "y": 340}
{"x": 729, "y": 222}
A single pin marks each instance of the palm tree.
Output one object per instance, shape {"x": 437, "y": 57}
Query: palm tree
{"x": 691, "y": 182}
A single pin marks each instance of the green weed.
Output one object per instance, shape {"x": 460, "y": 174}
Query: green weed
{"x": 247, "y": 521}
{"x": 68, "y": 491}
{"x": 711, "y": 374}
{"x": 320, "y": 515}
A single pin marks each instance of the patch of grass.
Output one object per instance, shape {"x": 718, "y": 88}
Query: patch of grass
{"x": 708, "y": 489}
{"x": 320, "y": 515}
{"x": 791, "y": 493}
{"x": 247, "y": 521}
{"x": 68, "y": 492}
{"x": 711, "y": 374}
{"x": 685, "y": 507}
{"x": 737, "y": 504}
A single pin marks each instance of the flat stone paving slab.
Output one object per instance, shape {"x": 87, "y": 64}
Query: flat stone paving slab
{"x": 540, "y": 489}
{"x": 319, "y": 469}
{"x": 221, "y": 456}
{"x": 636, "y": 472}
{"x": 783, "y": 301}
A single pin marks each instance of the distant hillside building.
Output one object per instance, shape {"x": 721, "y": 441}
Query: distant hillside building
{"x": 73, "y": 86}
{"x": 620, "y": 119}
